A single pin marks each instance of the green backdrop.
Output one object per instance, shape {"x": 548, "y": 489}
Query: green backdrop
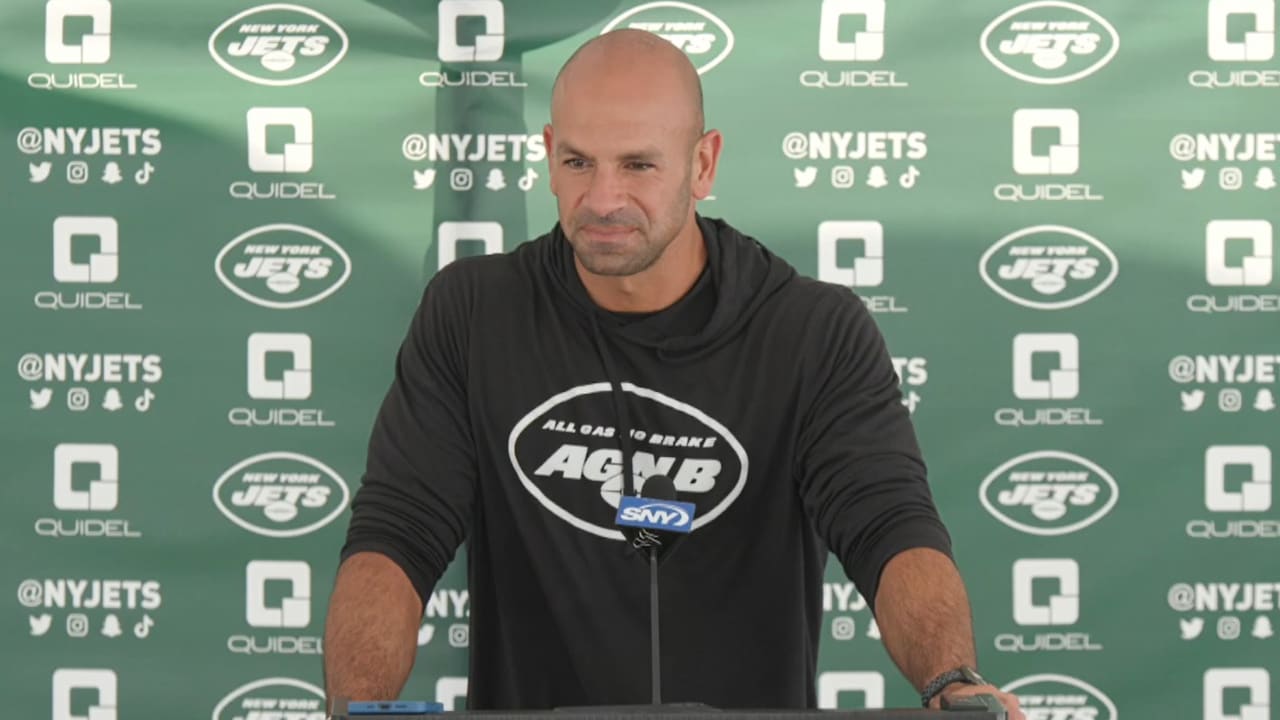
{"x": 218, "y": 218}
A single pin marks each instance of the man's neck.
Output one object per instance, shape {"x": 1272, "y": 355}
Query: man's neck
{"x": 657, "y": 287}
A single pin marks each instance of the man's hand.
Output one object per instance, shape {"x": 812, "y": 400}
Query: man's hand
{"x": 956, "y": 690}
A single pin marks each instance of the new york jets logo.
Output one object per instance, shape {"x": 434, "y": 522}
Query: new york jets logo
{"x": 278, "y": 44}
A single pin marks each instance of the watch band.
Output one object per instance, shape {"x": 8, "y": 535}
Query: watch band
{"x": 964, "y": 674}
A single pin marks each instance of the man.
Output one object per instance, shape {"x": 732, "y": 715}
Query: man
{"x": 638, "y": 338}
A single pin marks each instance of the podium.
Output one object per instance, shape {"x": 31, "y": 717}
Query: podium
{"x": 991, "y": 710}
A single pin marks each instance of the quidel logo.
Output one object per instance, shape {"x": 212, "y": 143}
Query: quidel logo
{"x": 283, "y": 266}
{"x": 451, "y": 234}
{"x": 281, "y": 494}
{"x": 455, "y": 47}
{"x": 1240, "y": 31}
{"x": 1046, "y": 592}
{"x": 92, "y": 46}
{"x": 279, "y": 368}
{"x": 852, "y": 31}
{"x": 275, "y": 697}
{"x": 1058, "y": 157}
{"x": 1061, "y": 697}
{"x": 278, "y": 44}
{"x": 835, "y": 689}
{"x": 866, "y": 238}
{"x": 86, "y": 250}
{"x": 1254, "y": 683}
{"x": 705, "y": 38}
{"x": 1048, "y": 267}
{"x": 1046, "y": 367}
{"x": 1237, "y": 481}
{"x": 1238, "y": 254}
{"x": 68, "y": 682}
{"x": 86, "y": 479}
{"x": 296, "y": 155}
{"x": 1050, "y": 42}
{"x": 277, "y": 596}
{"x": 1048, "y": 493}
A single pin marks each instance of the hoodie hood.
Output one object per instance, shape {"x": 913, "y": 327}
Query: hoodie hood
{"x": 743, "y": 274}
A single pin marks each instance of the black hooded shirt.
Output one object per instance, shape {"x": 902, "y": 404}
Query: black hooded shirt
{"x": 767, "y": 397}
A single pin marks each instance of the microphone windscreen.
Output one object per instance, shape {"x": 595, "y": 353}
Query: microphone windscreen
{"x": 658, "y": 487}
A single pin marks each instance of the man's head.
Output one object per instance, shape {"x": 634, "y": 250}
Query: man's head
{"x": 627, "y": 151}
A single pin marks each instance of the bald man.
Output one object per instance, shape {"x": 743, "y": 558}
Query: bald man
{"x": 637, "y": 340}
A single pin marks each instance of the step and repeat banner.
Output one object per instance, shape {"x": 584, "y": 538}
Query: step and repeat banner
{"x": 218, "y": 219}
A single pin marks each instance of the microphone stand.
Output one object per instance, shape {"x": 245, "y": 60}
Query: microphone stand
{"x": 655, "y": 654}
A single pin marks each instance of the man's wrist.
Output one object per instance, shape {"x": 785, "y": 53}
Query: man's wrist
{"x": 963, "y": 675}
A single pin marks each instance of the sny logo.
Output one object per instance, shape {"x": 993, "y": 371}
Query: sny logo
{"x": 653, "y": 514}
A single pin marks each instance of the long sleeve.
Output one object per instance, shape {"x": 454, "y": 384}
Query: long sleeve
{"x": 862, "y": 477}
{"x": 417, "y": 495}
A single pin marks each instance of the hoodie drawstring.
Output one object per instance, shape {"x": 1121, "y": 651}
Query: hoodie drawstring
{"x": 619, "y": 409}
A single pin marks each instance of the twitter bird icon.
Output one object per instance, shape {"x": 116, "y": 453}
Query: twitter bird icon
{"x": 40, "y": 398}
{"x": 40, "y": 624}
{"x": 39, "y": 171}
{"x": 422, "y": 179}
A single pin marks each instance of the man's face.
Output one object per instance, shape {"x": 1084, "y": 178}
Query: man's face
{"x": 620, "y": 168}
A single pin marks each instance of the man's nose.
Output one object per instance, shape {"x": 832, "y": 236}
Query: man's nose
{"x": 605, "y": 192}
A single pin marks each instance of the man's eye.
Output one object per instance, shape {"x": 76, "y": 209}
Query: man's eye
{"x": 641, "y": 166}
{"x": 576, "y": 163}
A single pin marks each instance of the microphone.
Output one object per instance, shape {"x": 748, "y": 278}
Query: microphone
{"x": 653, "y": 523}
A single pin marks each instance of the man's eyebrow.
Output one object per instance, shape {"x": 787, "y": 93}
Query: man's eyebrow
{"x": 645, "y": 154}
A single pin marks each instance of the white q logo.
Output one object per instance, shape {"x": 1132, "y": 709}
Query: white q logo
{"x": 487, "y": 47}
{"x": 1258, "y": 45}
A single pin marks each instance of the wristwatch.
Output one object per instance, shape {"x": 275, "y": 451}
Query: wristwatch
{"x": 964, "y": 674}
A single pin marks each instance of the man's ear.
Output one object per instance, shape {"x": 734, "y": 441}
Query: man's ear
{"x": 706, "y": 159}
{"x": 547, "y": 143}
